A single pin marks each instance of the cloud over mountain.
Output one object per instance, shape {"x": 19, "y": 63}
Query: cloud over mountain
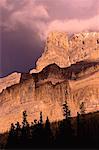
{"x": 24, "y": 25}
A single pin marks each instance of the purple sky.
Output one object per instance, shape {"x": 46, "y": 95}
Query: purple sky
{"x": 24, "y": 25}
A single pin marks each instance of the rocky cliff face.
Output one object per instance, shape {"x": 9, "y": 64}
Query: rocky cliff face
{"x": 56, "y": 51}
{"x": 64, "y": 50}
{"x": 12, "y": 79}
{"x": 70, "y": 71}
{"x": 46, "y": 91}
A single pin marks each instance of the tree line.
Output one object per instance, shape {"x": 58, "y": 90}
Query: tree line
{"x": 81, "y": 131}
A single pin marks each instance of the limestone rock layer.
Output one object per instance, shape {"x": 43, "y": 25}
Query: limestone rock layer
{"x": 12, "y": 79}
{"x": 46, "y": 91}
{"x": 64, "y": 50}
{"x": 67, "y": 70}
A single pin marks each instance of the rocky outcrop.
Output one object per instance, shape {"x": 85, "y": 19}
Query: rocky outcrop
{"x": 46, "y": 91}
{"x": 11, "y": 79}
{"x": 64, "y": 50}
{"x": 67, "y": 70}
{"x": 56, "y": 49}
{"x": 15, "y": 99}
{"x": 84, "y": 46}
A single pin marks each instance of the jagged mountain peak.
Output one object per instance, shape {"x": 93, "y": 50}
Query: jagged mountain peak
{"x": 67, "y": 70}
{"x": 64, "y": 51}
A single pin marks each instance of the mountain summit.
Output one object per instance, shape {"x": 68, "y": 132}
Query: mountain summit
{"x": 67, "y": 70}
{"x": 64, "y": 50}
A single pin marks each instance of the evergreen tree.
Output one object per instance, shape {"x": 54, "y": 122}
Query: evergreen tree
{"x": 82, "y": 108}
{"x": 25, "y": 130}
{"x": 18, "y": 129}
{"x": 35, "y": 121}
{"x": 18, "y": 133}
{"x": 11, "y": 143}
{"x": 47, "y": 124}
{"x": 48, "y": 133}
{"x": 65, "y": 127}
{"x": 41, "y": 118}
{"x": 39, "y": 131}
{"x": 66, "y": 111}
{"x": 24, "y": 119}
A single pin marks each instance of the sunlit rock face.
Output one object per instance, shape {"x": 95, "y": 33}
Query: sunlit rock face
{"x": 12, "y": 79}
{"x": 56, "y": 51}
{"x": 64, "y": 50}
{"x": 67, "y": 70}
{"x": 14, "y": 99}
{"x": 84, "y": 46}
{"x": 47, "y": 90}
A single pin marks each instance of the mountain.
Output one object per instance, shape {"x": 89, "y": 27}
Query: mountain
{"x": 9, "y": 80}
{"x": 55, "y": 80}
{"x": 46, "y": 91}
{"x": 65, "y": 50}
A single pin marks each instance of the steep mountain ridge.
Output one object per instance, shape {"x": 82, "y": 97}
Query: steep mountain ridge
{"x": 46, "y": 91}
{"x": 67, "y": 70}
{"x": 9, "y": 80}
{"x": 64, "y": 51}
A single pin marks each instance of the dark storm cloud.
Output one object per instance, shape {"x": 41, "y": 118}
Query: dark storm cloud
{"x": 24, "y": 25}
{"x": 20, "y": 45}
{"x": 21, "y": 37}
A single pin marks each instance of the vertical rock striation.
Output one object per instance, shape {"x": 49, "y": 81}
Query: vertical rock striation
{"x": 67, "y": 70}
{"x": 64, "y": 51}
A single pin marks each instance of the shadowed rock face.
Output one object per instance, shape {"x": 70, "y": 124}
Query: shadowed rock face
{"x": 46, "y": 91}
